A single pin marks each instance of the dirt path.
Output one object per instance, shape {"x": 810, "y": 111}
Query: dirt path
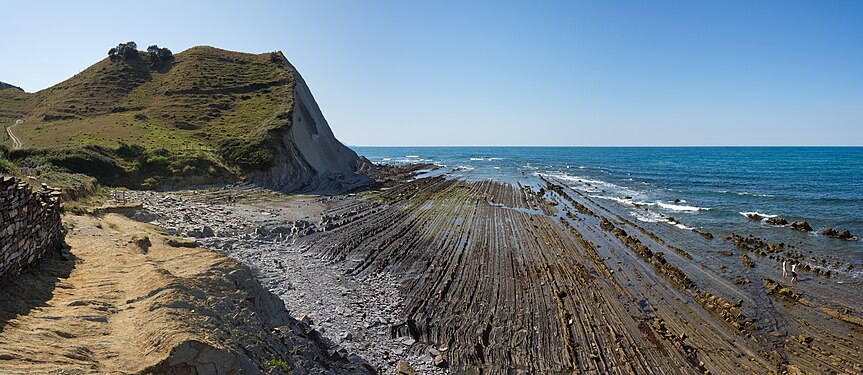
{"x": 123, "y": 307}
{"x": 16, "y": 143}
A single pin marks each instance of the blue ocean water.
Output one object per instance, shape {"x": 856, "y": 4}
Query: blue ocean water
{"x": 704, "y": 187}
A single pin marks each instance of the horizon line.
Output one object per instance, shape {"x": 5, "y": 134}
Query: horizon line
{"x": 642, "y": 146}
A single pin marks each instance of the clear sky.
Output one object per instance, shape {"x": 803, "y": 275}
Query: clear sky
{"x": 505, "y": 73}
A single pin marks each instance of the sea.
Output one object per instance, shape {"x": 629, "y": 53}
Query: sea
{"x": 711, "y": 188}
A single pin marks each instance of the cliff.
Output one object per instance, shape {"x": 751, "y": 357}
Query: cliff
{"x": 308, "y": 157}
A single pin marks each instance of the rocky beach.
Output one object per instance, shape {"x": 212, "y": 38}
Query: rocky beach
{"x": 488, "y": 277}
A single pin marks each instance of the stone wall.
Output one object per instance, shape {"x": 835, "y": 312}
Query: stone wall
{"x": 30, "y": 227}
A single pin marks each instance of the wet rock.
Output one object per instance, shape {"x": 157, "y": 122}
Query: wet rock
{"x": 801, "y": 226}
{"x": 776, "y": 221}
{"x": 747, "y": 261}
{"x": 780, "y": 292}
{"x": 805, "y": 339}
{"x": 844, "y": 235}
{"x": 703, "y": 233}
{"x": 754, "y": 217}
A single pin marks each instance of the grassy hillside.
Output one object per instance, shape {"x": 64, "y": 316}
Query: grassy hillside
{"x": 207, "y": 109}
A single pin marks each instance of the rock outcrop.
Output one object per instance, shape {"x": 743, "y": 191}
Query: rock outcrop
{"x": 844, "y": 235}
{"x": 308, "y": 155}
{"x": 801, "y": 226}
{"x": 777, "y": 221}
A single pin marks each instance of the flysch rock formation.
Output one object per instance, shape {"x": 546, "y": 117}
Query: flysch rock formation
{"x": 309, "y": 157}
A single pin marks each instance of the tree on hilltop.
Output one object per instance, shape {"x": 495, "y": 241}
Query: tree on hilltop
{"x": 159, "y": 56}
{"x": 124, "y": 51}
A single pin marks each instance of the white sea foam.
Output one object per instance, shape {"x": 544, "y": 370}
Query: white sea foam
{"x": 680, "y": 208}
{"x": 485, "y": 159}
{"x": 746, "y": 193}
{"x": 681, "y": 226}
{"x": 412, "y": 156}
{"x": 616, "y": 199}
{"x": 648, "y": 216}
{"x": 757, "y": 213}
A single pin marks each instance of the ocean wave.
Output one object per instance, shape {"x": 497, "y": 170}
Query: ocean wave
{"x": 616, "y": 199}
{"x": 766, "y": 216}
{"x": 681, "y": 226}
{"x": 648, "y": 216}
{"x": 680, "y": 208}
{"x": 486, "y": 159}
{"x": 411, "y": 156}
{"x": 746, "y": 193}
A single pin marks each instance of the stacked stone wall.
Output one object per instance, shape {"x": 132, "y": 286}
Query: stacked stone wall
{"x": 30, "y": 227}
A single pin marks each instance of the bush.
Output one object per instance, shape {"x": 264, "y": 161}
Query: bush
{"x": 7, "y": 167}
{"x": 128, "y": 151}
{"x": 249, "y": 154}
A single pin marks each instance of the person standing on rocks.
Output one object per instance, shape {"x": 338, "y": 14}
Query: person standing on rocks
{"x": 794, "y": 272}
{"x": 784, "y": 268}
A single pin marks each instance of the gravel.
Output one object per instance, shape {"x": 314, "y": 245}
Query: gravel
{"x": 355, "y": 313}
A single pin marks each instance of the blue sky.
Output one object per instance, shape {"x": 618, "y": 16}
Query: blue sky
{"x": 505, "y": 73}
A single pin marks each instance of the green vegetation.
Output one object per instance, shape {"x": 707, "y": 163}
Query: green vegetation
{"x": 126, "y": 165}
{"x": 203, "y": 114}
{"x": 124, "y": 51}
{"x": 282, "y": 365}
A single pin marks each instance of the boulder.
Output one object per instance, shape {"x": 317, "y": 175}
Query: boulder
{"x": 755, "y": 217}
{"x": 844, "y": 235}
{"x": 439, "y": 361}
{"x": 776, "y": 221}
{"x": 801, "y": 226}
{"x": 141, "y": 241}
{"x": 404, "y": 368}
{"x": 182, "y": 242}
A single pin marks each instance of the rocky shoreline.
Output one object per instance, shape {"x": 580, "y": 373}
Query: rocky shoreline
{"x": 355, "y": 313}
{"x": 435, "y": 275}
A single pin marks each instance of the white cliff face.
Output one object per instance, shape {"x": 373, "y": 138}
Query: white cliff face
{"x": 309, "y": 158}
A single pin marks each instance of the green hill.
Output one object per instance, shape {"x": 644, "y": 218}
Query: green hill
{"x": 203, "y": 115}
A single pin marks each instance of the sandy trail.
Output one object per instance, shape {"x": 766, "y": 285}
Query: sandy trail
{"x": 119, "y": 307}
{"x": 16, "y": 143}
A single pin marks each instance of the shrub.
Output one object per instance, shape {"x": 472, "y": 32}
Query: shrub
{"x": 282, "y": 365}
{"x": 133, "y": 151}
{"x": 248, "y": 154}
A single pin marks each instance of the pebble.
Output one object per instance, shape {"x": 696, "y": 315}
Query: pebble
{"x": 350, "y": 310}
